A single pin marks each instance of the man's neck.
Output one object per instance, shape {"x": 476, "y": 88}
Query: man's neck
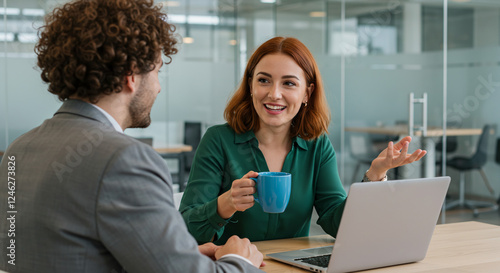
{"x": 115, "y": 105}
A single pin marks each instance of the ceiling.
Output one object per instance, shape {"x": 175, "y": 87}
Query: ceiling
{"x": 205, "y": 7}
{"x": 21, "y": 27}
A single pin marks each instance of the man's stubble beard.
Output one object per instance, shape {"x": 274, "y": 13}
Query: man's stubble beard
{"x": 139, "y": 113}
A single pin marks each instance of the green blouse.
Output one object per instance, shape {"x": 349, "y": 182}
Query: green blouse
{"x": 224, "y": 156}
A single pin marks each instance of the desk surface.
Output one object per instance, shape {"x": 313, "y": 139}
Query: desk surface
{"x": 174, "y": 149}
{"x": 403, "y": 130}
{"x": 455, "y": 248}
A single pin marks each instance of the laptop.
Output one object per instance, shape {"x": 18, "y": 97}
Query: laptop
{"x": 383, "y": 224}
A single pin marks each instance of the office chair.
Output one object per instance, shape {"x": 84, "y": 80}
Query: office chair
{"x": 192, "y": 137}
{"x": 476, "y": 162}
{"x": 497, "y": 160}
{"x": 451, "y": 146}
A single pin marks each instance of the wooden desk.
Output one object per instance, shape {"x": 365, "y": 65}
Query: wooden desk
{"x": 176, "y": 152}
{"x": 471, "y": 247}
{"x": 174, "y": 149}
{"x": 403, "y": 130}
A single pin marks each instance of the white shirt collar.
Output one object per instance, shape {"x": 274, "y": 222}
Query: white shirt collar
{"x": 110, "y": 118}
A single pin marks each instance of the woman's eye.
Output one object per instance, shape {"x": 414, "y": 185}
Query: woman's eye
{"x": 287, "y": 83}
{"x": 262, "y": 80}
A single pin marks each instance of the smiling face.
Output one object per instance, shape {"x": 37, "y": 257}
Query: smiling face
{"x": 279, "y": 88}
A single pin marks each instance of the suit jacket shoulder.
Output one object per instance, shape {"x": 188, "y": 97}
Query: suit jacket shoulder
{"x": 90, "y": 199}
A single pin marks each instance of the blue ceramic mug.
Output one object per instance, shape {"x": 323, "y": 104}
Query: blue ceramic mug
{"x": 273, "y": 191}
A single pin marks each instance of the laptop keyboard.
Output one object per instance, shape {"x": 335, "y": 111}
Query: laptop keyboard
{"x": 322, "y": 260}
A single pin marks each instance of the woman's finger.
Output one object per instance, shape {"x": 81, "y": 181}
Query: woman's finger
{"x": 398, "y": 146}
{"x": 390, "y": 152}
{"x": 242, "y": 191}
{"x": 246, "y": 199}
{"x": 422, "y": 154}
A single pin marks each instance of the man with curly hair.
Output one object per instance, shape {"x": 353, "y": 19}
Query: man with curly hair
{"x": 88, "y": 198}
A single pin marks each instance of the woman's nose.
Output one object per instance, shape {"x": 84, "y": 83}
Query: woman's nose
{"x": 274, "y": 93}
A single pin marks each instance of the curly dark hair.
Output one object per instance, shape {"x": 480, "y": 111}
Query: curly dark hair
{"x": 87, "y": 47}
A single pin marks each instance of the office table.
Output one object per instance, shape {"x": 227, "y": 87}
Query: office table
{"x": 427, "y": 143}
{"x": 403, "y": 130}
{"x": 471, "y": 247}
{"x": 176, "y": 152}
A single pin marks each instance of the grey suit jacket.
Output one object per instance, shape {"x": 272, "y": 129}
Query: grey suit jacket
{"x": 90, "y": 199}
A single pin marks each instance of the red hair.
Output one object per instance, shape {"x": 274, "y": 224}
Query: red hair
{"x": 311, "y": 121}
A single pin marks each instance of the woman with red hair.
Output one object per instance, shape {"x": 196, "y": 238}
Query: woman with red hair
{"x": 277, "y": 121}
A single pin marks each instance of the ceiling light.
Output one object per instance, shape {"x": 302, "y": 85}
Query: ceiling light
{"x": 203, "y": 20}
{"x": 317, "y": 14}
{"x": 193, "y": 19}
{"x": 33, "y": 12}
{"x": 176, "y": 18}
{"x": 171, "y": 4}
{"x": 9, "y": 36}
{"x": 27, "y": 37}
{"x": 268, "y": 1}
{"x": 188, "y": 40}
{"x": 10, "y": 11}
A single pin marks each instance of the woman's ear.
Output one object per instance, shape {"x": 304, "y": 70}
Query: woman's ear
{"x": 309, "y": 91}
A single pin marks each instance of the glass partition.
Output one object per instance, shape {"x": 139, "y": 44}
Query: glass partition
{"x": 201, "y": 76}
{"x": 372, "y": 56}
{"x": 473, "y": 84}
{"x": 313, "y": 22}
{"x": 385, "y": 64}
{"x": 25, "y": 103}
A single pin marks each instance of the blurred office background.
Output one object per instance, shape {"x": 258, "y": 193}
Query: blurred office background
{"x": 372, "y": 54}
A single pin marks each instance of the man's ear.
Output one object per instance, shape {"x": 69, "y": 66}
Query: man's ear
{"x": 130, "y": 83}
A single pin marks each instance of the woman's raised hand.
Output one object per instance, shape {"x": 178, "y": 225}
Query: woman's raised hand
{"x": 395, "y": 155}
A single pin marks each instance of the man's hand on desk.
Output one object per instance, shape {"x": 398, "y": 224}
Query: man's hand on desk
{"x": 209, "y": 250}
{"x": 243, "y": 248}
